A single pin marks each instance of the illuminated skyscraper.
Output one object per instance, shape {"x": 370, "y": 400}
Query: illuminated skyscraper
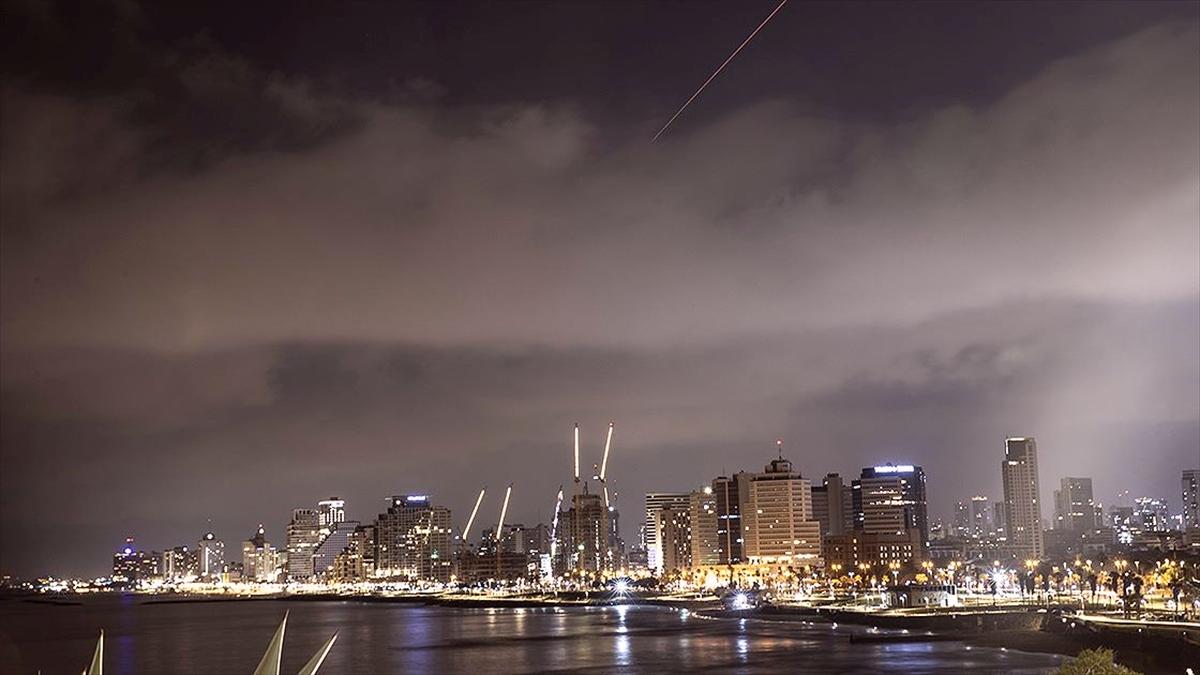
{"x": 833, "y": 505}
{"x": 702, "y": 510}
{"x": 330, "y": 512}
{"x": 412, "y": 540}
{"x": 1191, "y": 499}
{"x": 728, "y": 493}
{"x": 259, "y": 558}
{"x": 777, "y": 517}
{"x": 1074, "y": 507}
{"x": 303, "y": 535}
{"x": 210, "y": 557}
{"x": 655, "y": 502}
{"x": 890, "y": 499}
{"x": 1022, "y": 507}
{"x": 981, "y": 516}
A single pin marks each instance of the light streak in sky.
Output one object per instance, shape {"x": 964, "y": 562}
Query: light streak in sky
{"x": 718, "y": 70}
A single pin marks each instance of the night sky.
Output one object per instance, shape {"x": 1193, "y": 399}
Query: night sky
{"x": 255, "y": 257}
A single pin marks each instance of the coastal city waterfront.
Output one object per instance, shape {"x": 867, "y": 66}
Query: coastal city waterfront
{"x": 763, "y": 546}
{"x": 591, "y": 337}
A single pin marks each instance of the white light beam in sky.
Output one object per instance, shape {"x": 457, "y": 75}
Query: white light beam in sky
{"x": 718, "y": 70}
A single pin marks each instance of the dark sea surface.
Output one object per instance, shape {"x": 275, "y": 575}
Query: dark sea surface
{"x": 228, "y": 638}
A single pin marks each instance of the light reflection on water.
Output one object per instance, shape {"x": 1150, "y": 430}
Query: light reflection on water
{"x": 229, "y": 637}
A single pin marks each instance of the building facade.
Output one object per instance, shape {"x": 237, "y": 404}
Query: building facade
{"x": 413, "y": 540}
{"x": 702, "y": 511}
{"x": 1022, "y": 505}
{"x": 303, "y": 535}
{"x": 655, "y": 502}
{"x": 259, "y": 559}
{"x": 1074, "y": 506}
{"x": 778, "y": 522}
{"x": 1191, "y": 499}
{"x": 210, "y": 558}
{"x": 890, "y": 499}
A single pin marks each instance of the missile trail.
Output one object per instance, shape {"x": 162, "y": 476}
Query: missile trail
{"x": 718, "y": 70}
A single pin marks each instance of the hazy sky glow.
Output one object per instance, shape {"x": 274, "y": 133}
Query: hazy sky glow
{"x": 236, "y": 281}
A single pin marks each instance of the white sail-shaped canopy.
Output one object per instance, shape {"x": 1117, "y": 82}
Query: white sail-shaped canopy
{"x": 269, "y": 665}
{"x": 97, "y": 665}
{"x": 315, "y": 662}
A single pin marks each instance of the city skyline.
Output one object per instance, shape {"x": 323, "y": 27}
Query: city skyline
{"x": 254, "y": 258}
{"x": 883, "y": 506}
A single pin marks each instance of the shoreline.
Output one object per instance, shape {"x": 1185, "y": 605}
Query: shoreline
{"x": 1022, "y": 630}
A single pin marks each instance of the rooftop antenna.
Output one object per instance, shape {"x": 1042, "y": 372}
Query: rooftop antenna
{"x": 779, "y": 447}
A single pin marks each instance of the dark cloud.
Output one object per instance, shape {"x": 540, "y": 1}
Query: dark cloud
{"x": 232, "y": 286}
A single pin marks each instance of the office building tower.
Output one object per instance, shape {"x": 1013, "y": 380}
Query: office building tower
{"x": 832, "y": 505}
{"x": 1151, "y": 515}
{"x": 586, "y": 530}
{"x": 778, "y": 520}
{"x": 702, "y": 511}
{"x": 1022, "y": 506}
{"x": 334, "y": 538}
{"x": 356, "y": 562}
{"x": 1191, "y": 499}
{"x": 728, "y": 493}
{"x": 1000, "y": 520}
{"x": 1074, "y": 507}
{"x": 962, "y": 520}
{"x": 259, "y": 559}
{"x": 981, "y": 516}
{"x": 674, "y": 536}
{"x": 210, "y": 558}
{"x": 303, "y": 535}
{"x": 655, "y": 502}
{"x": 890, "y": 499}
{"x": 131, "y": 566}
{"x": 330, "y": 512}
{"x": 179, "y": 564}
{"x": 412, "y": 540}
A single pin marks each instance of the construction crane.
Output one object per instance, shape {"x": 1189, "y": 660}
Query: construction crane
{"x": 503, "y": 511}
{"x": 478, "y": 500}
{"x": 604, "y": 463}
{"x": 554, "y": 524}
{"x": 577, "y": 453}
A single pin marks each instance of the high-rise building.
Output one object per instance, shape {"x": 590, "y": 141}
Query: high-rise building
{"x": 356, "y": 562}
{"x": 210, "y": 557}
{"x": 890, "y": 499}
{"x": 587, "y": 533}
{"x": 334, "y": 539}
{"x": 674, "y": 530}
{"x": 655, "y": 502}
{"x": 833, "y": 505}
{"x": 778, "y": 518}
{"x": 981, "y": 516}
{"x": 1000, "y": 520}
{"x": 131, "y": 566}
{"x": 1022, "y": 506}
{"x": 702, "y": 510}
{"x": 179, "y": 564}
{"x": 412, "y": 540}
{"x": 303, "y": 535}
{"x": 1074, "y": 507}
{"x": 258, "y": 559}
{"x": 1151, "y": 514}
{"x": 962, "y": 520}
{"x": 330, "y": 512}
{"x": 728, "y": 493}
{"x": 1191, "y": 499}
